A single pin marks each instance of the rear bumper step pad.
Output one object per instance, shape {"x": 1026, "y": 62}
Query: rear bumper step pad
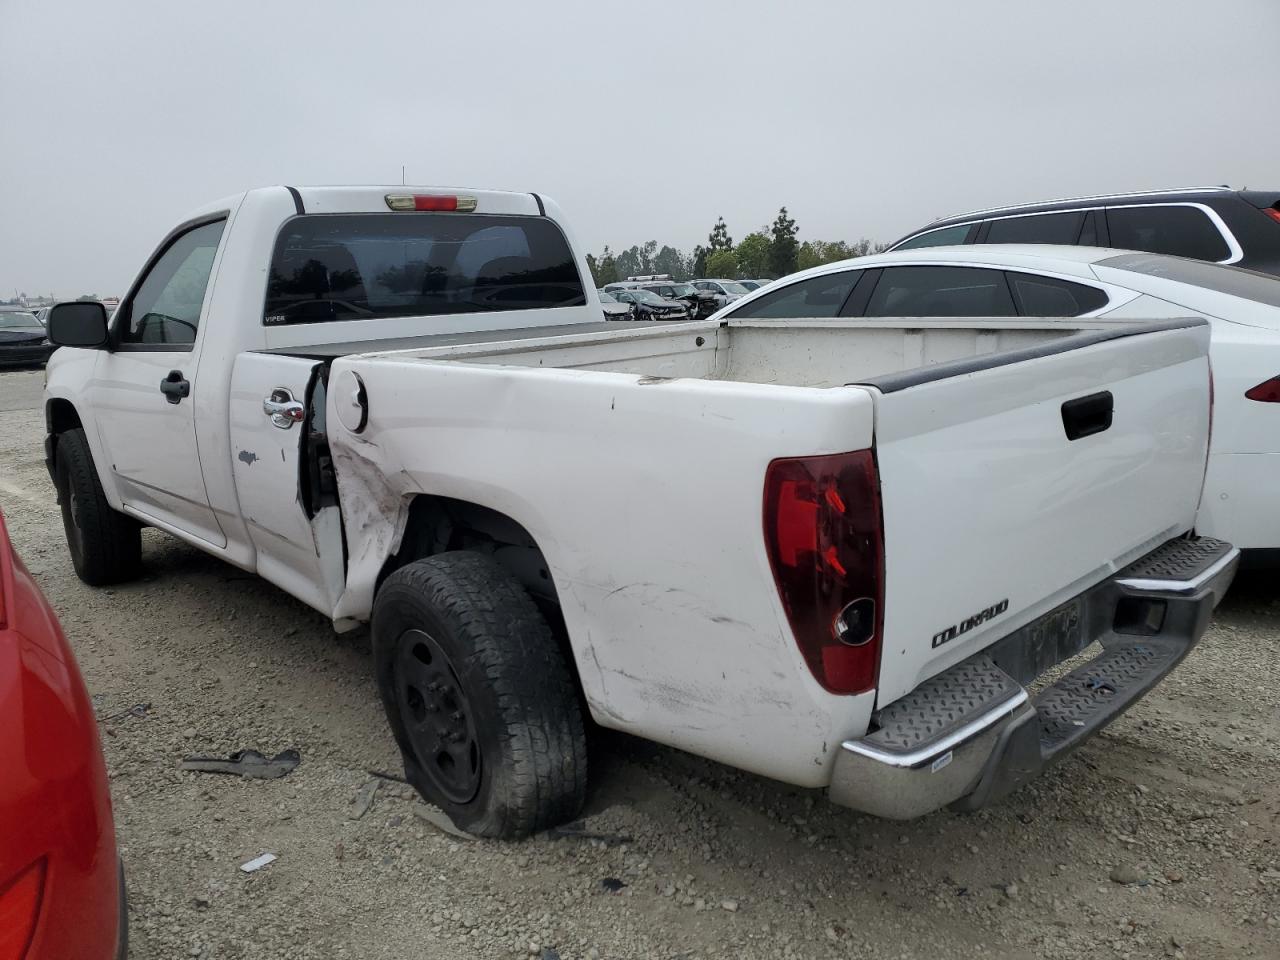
{"x": 974, "y": 733}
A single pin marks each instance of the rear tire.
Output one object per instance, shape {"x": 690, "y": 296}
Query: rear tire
{"x": 105, "y": 545}
{"x": 479, "y": 696}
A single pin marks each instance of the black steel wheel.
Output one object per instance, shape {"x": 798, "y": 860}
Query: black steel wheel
{"x": 480, "y": 698}
{"x": 438, "y": 716}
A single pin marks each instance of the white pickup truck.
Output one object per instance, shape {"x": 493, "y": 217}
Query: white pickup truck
{"x": 836, "y": 553}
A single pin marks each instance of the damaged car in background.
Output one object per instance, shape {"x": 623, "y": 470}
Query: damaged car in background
{"x": 22, "y": 338}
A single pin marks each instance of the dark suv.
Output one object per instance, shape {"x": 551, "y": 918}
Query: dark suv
{"x": 1218, "y": 224}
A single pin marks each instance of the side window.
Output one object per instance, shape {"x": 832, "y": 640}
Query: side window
{"x": 166, "y": 308}
{"x": 945, "y": 236}
{"x": 1180, "y": 231}
{"x": 940, "y": 292}
{"x": 1050, "y": 297}
{"x": 1040, "y": 228}
{"x": 816, "y": 297}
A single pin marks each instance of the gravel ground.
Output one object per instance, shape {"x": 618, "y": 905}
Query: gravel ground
{"x": 1160, "y": 838}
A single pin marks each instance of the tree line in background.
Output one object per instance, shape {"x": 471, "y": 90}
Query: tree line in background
{"x": 767, "y": 253}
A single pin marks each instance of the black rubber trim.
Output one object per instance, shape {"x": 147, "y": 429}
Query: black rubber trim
{"x": 542, "y": 210}
{"x": 297, "y": 200}
{"x": 893, "y": 382}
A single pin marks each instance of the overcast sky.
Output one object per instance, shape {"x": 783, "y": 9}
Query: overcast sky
{"x": 644, "y": 120}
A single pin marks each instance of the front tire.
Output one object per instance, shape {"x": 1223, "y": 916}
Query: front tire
{"x": 479, "y": 696}
{"x": 105, "y": 545}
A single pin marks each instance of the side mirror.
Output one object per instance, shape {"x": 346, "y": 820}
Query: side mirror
{"x": 79, "y": 323}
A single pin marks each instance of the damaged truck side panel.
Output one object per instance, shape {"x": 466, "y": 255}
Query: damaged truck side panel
{"x": 666, "y": 644}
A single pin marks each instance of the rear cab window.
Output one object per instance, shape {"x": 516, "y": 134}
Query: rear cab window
{"x": 335, "y": 267}
{"x": 1178, "y": 230}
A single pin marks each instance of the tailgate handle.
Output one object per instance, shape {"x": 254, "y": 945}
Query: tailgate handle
{"x": 1085, "y": 416}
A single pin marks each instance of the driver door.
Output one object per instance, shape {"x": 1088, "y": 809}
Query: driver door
{"x": 144, "y": 384}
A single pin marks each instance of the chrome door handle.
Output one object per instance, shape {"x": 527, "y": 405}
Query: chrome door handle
{"x": 283, "y": 410}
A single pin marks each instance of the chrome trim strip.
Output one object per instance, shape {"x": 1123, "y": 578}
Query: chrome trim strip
{"x": 930, "y": 752}
{"x": 1101, "y": 196}
{"x": 1148, "y": 585}
{"x": 1235, "y": 251}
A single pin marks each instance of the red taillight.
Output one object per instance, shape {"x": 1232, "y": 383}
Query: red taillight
{"x": 1268, "y": 391}
{"x": 1273, "y": 213}
{"x": 435, "y": 203}
{"x": 430, "y": 201}
{"x": 19, "y": 910}
{"x": 823, "y": 532}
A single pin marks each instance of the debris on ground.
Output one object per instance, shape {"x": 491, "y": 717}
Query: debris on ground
{"x": 577, "y": 830}
{"x": 1127, "y": 874}
{"x": 137, "y": 710}
{"x": 612, "y": 884}
{"x": 440, "y": 820}
{"x": 246, "y": 763}
{"x": 257, "y": 863}
{"x": 363, "y": 800}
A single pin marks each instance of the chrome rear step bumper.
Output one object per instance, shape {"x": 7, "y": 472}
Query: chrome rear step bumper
{"x": 973, "y": 733}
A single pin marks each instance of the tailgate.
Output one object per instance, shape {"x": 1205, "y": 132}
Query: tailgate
{"x": 993, "y": 515}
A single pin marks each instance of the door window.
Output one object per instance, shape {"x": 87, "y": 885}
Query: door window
{"x": 166, "y": 307}
{"x": 1178, "y": 230}
{"x": 941, "y": 292}
{"x": 1039, "y": 296}
{"x": 1040, "y": 228}
{"x": 816, "y": 297}
{"x": 946, "y": 236}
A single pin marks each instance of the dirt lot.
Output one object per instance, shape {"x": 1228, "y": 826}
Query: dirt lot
{"x": 1181, "y": 796}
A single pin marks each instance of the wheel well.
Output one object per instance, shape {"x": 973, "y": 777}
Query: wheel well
{"x": 440, "y": 524}
{"x": 60, "y": 416}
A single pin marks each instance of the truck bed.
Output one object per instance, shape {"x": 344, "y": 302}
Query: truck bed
{"x": 635, "y": 460}
{"x": 889, "y": 354}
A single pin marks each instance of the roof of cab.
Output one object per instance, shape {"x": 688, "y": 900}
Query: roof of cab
{"x": 367, "y": 198}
